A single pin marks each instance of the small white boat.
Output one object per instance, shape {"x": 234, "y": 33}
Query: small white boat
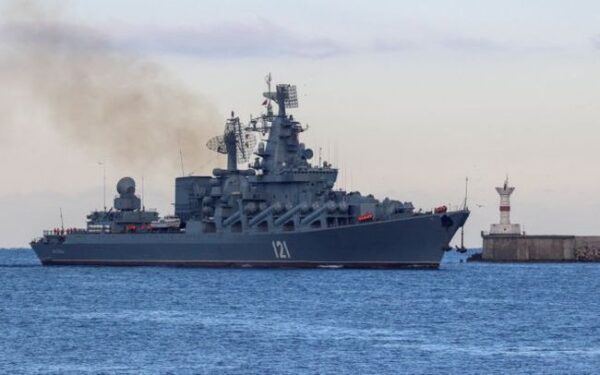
{"x": 168, "y": 222}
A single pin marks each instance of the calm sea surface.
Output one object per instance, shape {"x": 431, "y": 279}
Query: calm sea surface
{"x": 464, "y": 318}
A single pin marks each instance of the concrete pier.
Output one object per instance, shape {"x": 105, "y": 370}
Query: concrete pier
{"x": 540, "y": 248}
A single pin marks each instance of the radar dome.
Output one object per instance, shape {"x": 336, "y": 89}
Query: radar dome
{"x": 308, "y": 154}
{"x": 126, "y": 185}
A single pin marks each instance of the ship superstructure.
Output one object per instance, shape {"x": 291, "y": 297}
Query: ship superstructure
{"x": 280, "y": 211}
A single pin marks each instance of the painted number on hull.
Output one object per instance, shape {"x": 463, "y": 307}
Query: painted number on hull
{"x": 281, "y": 250}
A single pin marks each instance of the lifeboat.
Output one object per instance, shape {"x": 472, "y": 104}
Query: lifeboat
{"x": 166, "y": 223}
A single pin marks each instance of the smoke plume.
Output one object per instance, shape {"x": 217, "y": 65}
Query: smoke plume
{"x": 98, "y": 97}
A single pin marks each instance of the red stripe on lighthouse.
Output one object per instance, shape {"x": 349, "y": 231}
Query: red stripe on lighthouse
{"x": 504, "y": 208}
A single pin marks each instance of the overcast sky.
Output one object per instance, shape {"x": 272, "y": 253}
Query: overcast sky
{"x": 408, "y": 98}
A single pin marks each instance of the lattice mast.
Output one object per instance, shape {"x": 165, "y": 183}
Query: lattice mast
{"x": 235, "y": 142}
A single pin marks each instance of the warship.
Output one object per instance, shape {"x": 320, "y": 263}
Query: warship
{"x": 281, "y": 211}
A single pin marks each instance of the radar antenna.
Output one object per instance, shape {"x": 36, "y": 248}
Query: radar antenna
{"x": 289, "y": 95}
{"x": 236, "y": 143}
{"x": 285, "y": 95}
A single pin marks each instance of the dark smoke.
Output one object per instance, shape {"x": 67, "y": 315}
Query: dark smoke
{"x": 100, "y": 98}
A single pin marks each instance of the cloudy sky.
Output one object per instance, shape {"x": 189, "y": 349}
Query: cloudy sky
{"x": 408, "y": 98}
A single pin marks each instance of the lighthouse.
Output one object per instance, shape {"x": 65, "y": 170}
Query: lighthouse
{"x": 505, "y": 227}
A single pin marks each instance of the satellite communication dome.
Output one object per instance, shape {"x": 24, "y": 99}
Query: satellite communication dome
{"x": 126, "y": 185}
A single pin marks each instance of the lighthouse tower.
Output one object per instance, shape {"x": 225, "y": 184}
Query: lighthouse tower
{"x": 505, "y": 227}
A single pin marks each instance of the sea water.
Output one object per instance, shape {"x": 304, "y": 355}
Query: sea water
{"x": 464, "y": 318}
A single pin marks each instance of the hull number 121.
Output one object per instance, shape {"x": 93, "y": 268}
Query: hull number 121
{"x": 281, "y": 250}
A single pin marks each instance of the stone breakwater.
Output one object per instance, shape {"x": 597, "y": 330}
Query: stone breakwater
{"x": 540, "y": 248}
{"x": 587, "y": 249}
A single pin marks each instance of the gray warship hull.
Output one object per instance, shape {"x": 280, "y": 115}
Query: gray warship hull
{"x": 418, "y": 241}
